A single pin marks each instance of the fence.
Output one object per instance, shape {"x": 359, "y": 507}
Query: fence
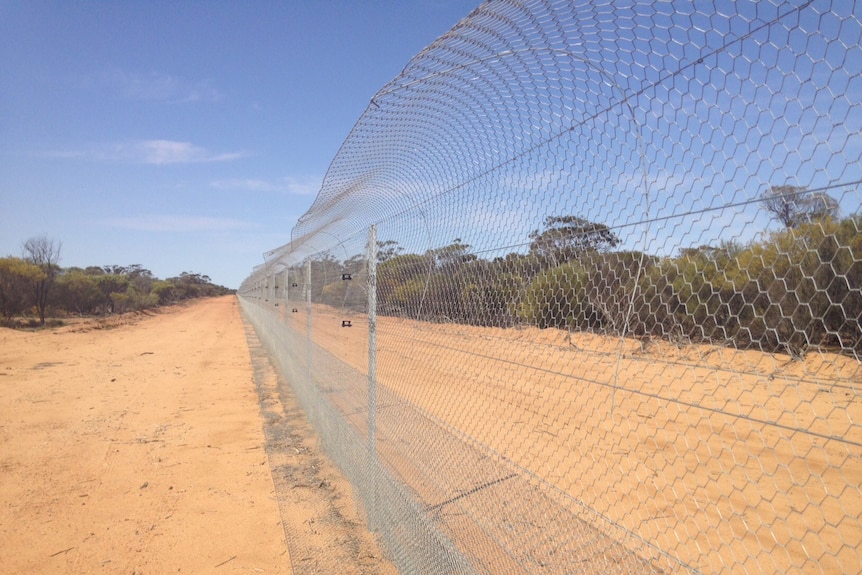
{"x": 581, "y": 293}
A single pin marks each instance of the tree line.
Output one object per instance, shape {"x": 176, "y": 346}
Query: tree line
{"x": 789, "y": 291}
{"x": 34, "y": 286}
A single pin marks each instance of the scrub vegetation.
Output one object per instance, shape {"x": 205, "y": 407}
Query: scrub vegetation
{"x": 34, "y": 287}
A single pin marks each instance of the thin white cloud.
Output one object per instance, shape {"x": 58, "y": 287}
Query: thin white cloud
{"x": 154, "y": 86}
{"x": 301, "y": 186}
{"x": 155, "y": 152}
{"x": 173, "y": 223}
{"x": 249, "y": 184}
{"x": 170, "y": 152}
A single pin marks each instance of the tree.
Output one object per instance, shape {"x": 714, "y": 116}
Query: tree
{"x": 189, "y": 285}
{"x": 612, "y": 288}
{"x": 395, "y": 273}
{"x": 803, "y": 287}
{"x": 565, "y": 237}
{"x": 165, "y": 291}
{"x": 140, "y": 277}
{"x": 451, "y": 270}
{"x": 795, "y": 205}
{"x": 387, "y": 250}
{"x": 77, "y": 291}
{"x": 44, "y": 253}
{"x": 114, "y": 270}
{"x": 16, "y": 277}
{"x": 109, "y": 284}
{"x": 351, "y": 293}
{"x": 452, "y": 255}
{"x": 491, "y": 293}
{"x": 429, "y": 286}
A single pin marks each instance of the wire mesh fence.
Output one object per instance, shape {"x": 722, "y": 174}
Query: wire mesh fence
{"x": 581, "y": 293}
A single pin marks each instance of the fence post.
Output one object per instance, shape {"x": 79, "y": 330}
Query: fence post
{"x": 286, "y": 292}
{"x": 308, "y": 319}
{"x": 372, "y": 368}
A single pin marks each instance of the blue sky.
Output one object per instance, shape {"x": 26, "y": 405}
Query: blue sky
{"x": 186, "y": 136}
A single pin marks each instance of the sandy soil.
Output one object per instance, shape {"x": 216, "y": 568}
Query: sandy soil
{"x": 729, "y": 460}
{"x": 151, "y": 444}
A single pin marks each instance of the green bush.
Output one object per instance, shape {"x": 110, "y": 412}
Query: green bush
{"x": 797, "y": 288}
{"x": 557, "y": 298}
{"x": 803, "y": 286}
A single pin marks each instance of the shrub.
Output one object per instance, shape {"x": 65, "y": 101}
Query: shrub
{"x": 557, "y": 298}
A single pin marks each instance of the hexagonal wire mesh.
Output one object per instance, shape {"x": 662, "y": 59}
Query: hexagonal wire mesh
{"x": 613, "y": 318}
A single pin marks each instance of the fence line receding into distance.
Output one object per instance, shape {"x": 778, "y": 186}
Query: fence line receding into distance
{"x": 582, "y": 289}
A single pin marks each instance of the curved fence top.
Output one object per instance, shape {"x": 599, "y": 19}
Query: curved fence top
{"x": 628, "y": 113}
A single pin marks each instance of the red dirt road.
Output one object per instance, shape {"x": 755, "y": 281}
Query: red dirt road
{"x": 141, "y": 449}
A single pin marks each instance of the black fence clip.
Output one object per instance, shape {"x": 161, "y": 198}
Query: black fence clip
{"x": 295, "y": 310}
{"x": 294, "y": 285}
{"x": 345, "y": 277}
{"x": 345, "y": 323}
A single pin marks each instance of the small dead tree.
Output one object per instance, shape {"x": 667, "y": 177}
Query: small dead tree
{"x": 795, "y": 205}
{"x": 43, "y": 252}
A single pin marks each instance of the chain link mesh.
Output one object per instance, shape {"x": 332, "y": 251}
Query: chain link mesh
{"x": 617, "y": 293}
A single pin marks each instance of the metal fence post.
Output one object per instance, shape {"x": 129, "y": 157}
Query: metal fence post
{"x": 286, "y": 291}
{"x": 308, "y": 319}
{"x": 372, "y": 368}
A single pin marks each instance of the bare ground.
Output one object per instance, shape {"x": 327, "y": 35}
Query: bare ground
{"x": 728, "y": 460}
{"x": 153, "y": 444}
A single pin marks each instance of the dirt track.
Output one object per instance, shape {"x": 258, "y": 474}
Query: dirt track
{"x": 137, "y": 446}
